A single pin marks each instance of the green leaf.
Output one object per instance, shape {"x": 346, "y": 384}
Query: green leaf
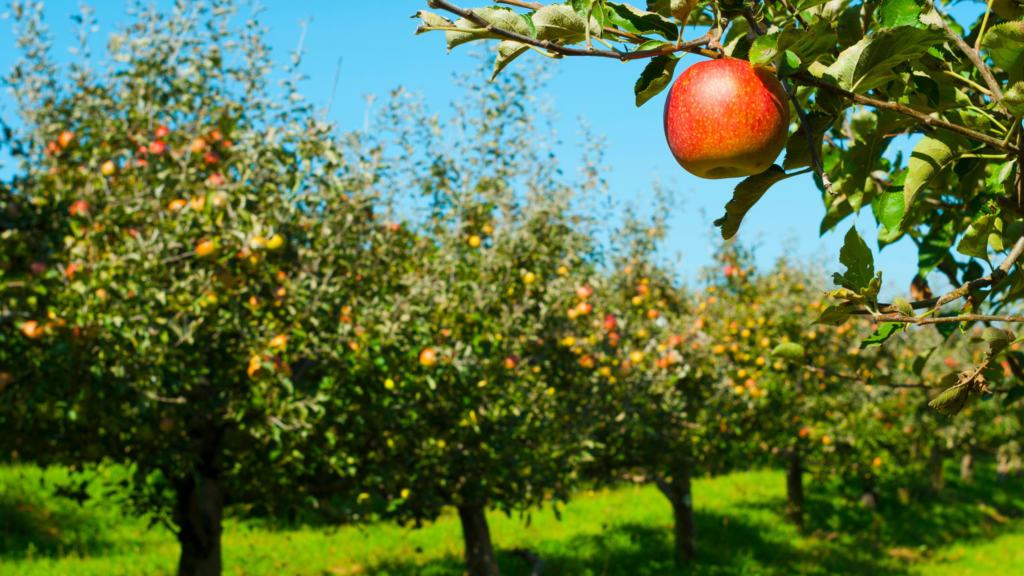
{"x": 859, "y": 262}
{"x": 921, "y": 360}
{"x": 432, "y": 20}
{"x": 798, "y": 153}
{"x": 561, "y": 22}
{"x": 764, "y": 49}
{"x": 883, "y": 333}
{"x": 1005, "y": 43}
{"x": 975, "y": 240}
{"x": 657, "y": 75}
{"x": 869, "y": 63}
{"x": 888, "y": 208}
{"x": 591, "y": 8}
{"x": 931, "y": 155}
{"x": 746, "y": 194}
{"x": 1013, "y": 99}
{"x": 681, "y": 9}
{"x": 935, "y": 246}
{"x": 807, "y": 45}
{"x": 808, "y": 4}
{"x": 952, "y": 401}
{"x": 998, "y": 182}
{"x": 899, "y": 13}
{"x": 1012, "y": 395}
{"x": 904, "y": 307}
{"x": 507, "y": 52}
{"x": 639, "y": 22}
{"x": 835, "y": 315}
{"x": 790, "y": 351}
{"x": 998, "y": 338}
{"x": 501, "y": 17}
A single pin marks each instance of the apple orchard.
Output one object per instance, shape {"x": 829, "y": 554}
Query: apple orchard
{"x": 207, "y": 285}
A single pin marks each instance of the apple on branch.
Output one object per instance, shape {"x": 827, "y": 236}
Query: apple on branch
{"x": 726, "y": 119}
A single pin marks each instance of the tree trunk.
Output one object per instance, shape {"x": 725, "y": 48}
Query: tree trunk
{"x": 678, "y": 493}
{"x": 935, "y": 462}
{"x": 198, "y": 512}
{"x": 967, "y": 468}
{"x": 795, "y": 489}
{"x": 480, "y": 559}
{"x": 1003, "y": 469}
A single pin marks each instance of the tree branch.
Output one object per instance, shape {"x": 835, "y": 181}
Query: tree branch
{"x": 975, "y": 58}
{"x": 994, "y": 278}
{"x": 809, "y": 135}
{"x": 817, "y": 370}
{"x": 901, "y": 109}
{"x": 694, "y": 47}
{"x": 901, "y": 319}
{"x": 788, "y": 6}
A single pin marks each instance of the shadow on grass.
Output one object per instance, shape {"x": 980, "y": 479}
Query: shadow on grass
{"x": 840, "y": 537}
{"x": 726, "y": 547}
{"x": 29, "y": 529}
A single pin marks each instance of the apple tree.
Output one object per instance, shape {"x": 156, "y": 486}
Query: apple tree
{"x": 450, "y": 384}
{"x": 175, "y": 238}
{"x": 854, "y": 76}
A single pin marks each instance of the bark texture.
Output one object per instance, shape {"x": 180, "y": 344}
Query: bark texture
{"x": 199, "y": 510}
{"x": 795, "y": 489}
{"x": 678, "y": 493}
{"x": 480, "y": 559}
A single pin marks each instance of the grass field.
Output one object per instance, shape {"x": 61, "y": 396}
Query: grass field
{"x": 969, "y": 529}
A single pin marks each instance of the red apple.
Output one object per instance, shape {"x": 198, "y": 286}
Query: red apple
{"x": 37, "y": 268}
{"x": 215, "y": 180}
{"x": 66, "y": 138}
{"x": 161, "y": 132}
{"x": 79, "y": 208}
{"x": 428, "y": 357}
{"x": 158, "y": 147}
{"x": 584, "y": 292}
{"x": 726, "y": 119}
{"x": 609, "y": 322}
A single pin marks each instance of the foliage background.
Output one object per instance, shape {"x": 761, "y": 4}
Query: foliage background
{"x": 636, "y": 147}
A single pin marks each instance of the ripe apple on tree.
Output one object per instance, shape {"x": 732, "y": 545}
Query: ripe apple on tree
{"x": 726, "y": 118}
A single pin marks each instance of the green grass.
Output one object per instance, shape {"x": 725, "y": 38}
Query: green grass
{"x": 974, "y": 529}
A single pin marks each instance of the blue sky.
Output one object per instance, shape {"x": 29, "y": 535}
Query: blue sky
{"x": 598, "y": 90}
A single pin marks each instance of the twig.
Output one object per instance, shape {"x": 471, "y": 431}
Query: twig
{"x": 337, "y": 74}
{"x": 975, "y": 58}
{"x": 901, "y": 109}
{"x": 994, "y": 278}
{"x": 899, "y": 318}
{"x": 795, "y": 14}
{"x": 521, "y": 4}
{"x": 817, "y": 370}
{"x": 809, "y": 134}
{"x": 152, "y": 396}
{"x": 692, "y": 46}
{"x": 984, "y": 24}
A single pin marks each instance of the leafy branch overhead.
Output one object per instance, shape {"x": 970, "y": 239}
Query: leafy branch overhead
{"x": 859, "y": 78}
